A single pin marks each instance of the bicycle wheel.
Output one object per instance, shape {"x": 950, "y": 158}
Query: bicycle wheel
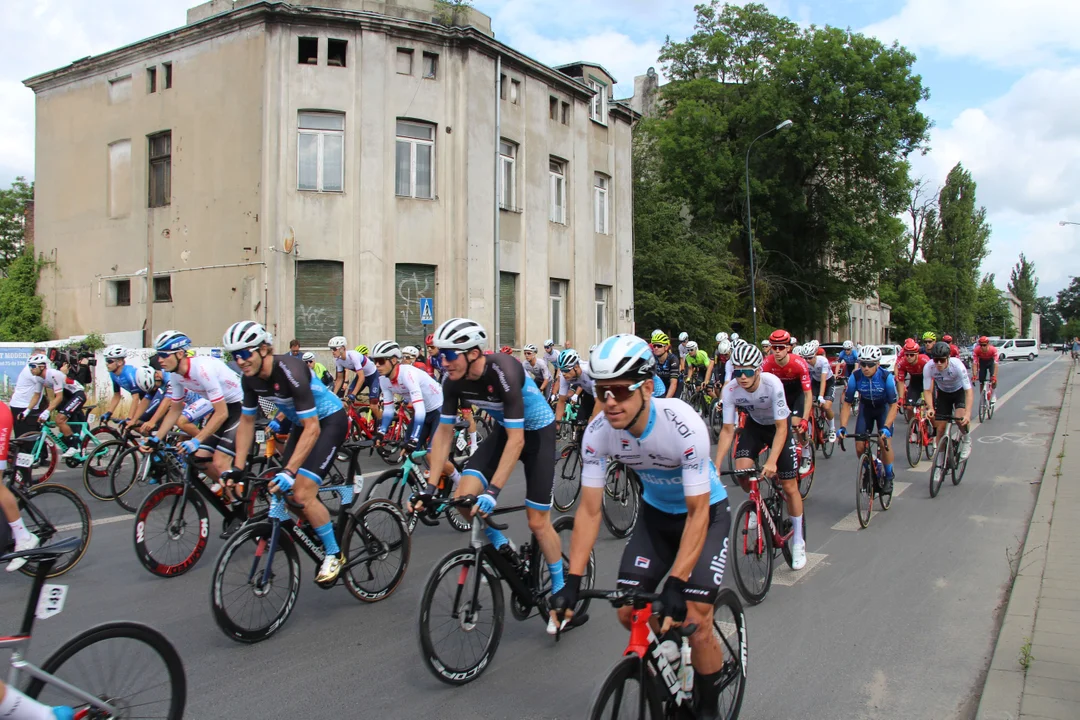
{"x": 541, "y": 576}
{"x": 389, "y": 486}
{"x": 621, "y": 501}
{"x": 827, "y": 448}
{"x": 729, "y": 629}
{"x": 54, "y": 512}
{"x": 131, "y": 478}
{"x": 44, "y": 462}
{"x": 982, "y": 406}
{"x": 958, "y": 465}
{"x": 567, "y": 480}
{"x": 940, "y": 467}
{"x": 716, "y": 420}
{"x": 913, "y": 448}
{"x": 133, "y": 667}
{"x": 458, "y": 638}
{"x": 806, "y": 480}
{"x": 96, "y": 477}
{"x": 171, "y": 530}
{"x": 249, "y": 604}
{"x": 864, "y": 489}
{"x": 624, "y": 695}
{"x": 377, "y": 540}
{"x": 753, "y": 554}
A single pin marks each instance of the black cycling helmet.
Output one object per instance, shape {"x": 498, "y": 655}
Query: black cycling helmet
{"x": 941, "y": 349}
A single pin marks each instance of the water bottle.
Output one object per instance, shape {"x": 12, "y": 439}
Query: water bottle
{"x": 686, "y": 668}
{"x": 879, "y": 469}
{"x": 671, "y": 652}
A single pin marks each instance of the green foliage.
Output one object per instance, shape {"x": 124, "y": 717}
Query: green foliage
{"x": 1068, "y": 300}
{"x": 1051, "y": 325}
{"x": 1071, "y": 329}
{"x": 992, "y": 315}
{"x": 20, "y": 306}
{"x": 912, "y": 314}
{"x": 13, "y": 220}
{"x": 448, "y": 12}
{"x": 91, "y": 343}
{"x": 1025, "y": 286}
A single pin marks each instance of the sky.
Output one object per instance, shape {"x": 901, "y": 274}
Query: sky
{"x": 1003, "y": 76}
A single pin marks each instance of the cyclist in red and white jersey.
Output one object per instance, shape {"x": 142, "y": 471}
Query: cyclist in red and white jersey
{"x": 910, "y": 366}
{"x": 953, "y": 350}
{"x": 794, "y": 373}
{"x": 986, "y": 355}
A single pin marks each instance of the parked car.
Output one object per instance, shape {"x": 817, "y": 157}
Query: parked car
{"x": 1016, "y": 348}
{"x": 889, "y": 355}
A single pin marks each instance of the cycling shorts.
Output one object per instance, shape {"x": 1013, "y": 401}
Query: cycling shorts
{"x": 914, "y": 389}
{"x": 985, "y": 366}
{"x": 538, "y": 457}
{"x": 794, "y": 399}
{"x": 332, "y": 432}
{"x": 71, "y": 404}
{"x": 871, "y": 416}
{"x": 224, "y": 440}
{"x": 753, "y": 438}
{"x": 946, "y": 402}
{"x": 196, "y": 411}
{"x": 427, "y": 432}
{"x": 585, "y": 407}
{"x": 652, "y": 548}
{"x": 374, "y": 388}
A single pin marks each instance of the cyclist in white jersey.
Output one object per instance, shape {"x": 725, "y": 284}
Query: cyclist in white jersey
{"x": 351, "y": 360}
{"x": 575, "y": 377}
{"x": 761, "y": 396}
{"x": 536, "y": 367}
{"x": 821, "y": 382}
{"x": 551, "y": 358}
{"x": 68, "y": 399}
{"x": 954, "y": 393}
{"x": 682, "y": 532}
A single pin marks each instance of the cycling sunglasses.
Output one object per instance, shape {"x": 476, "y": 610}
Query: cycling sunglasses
{"x": 743, "y": 372}
{"x": 449, "y": 355}
{"x": 868, "y": 364}
{"x": 659, "y": 346}
{"x": 911, "y": 354}
{"x": 618, "y": 393}
{"x": 941, "y": 361}
{"x": 243, "y": 354}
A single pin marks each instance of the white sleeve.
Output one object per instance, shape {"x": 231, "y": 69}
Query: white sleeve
{"x": 564, "y": 386}
{"x": 727, "y": 397}
{"x": 175, "y": 391}
{"x": 412, "y": 388}
{"x": 594, "y": 454}
{"x": 780, "y": 408}
{"x": 696, "y": 463}
{"x": 210, "y": 384}
{"x": 963, "y": 372}
{"x": 387, "y": 394}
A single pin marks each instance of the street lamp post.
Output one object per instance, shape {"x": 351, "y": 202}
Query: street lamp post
{"x": 749, "y": 229}
{"x": 1063, "y": 223}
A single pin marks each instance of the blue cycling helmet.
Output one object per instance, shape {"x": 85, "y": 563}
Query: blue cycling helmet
{"x": 568, "y": 360}
{"x": 172, "y": 341}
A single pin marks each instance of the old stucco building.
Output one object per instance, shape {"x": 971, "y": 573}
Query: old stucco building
{"x": 322, "y": 165}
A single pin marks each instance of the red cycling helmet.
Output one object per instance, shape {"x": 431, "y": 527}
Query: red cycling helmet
{"x": 780, "y": 337}
{"x": 946, "y": 338}
{"x": 910, "y": 345}
{"x": 983, "y": 340}
{"x": 821, "y": 351}
{"x": 430, "y": 339}
{"x": 506, "y": 350}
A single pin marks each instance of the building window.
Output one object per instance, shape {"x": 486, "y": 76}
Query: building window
{"x": 600, "y": 202}
{"x": 167, "y": 67}
{"x": 119, "y": 189}
{"x": 431, "y": 66}
{"x": 412, "y": 282}
{"x": 603, "y": 309}
{"x": 566, "y": 113}
{"x": 557, "y": 307}
{"x": 160, "y": 169}
{"x": 151, "y": 80}
{"x": 507, "y": 175}
{"x": 336, "y": 51}
{"x": 404, "y": 61}
{"x": 119, "y": 293}
{"x": 598, "y": 104}
{"x": 502, "y": 87}
{"x": 163, "y": 289}
{"x": 415, "y": 160}
{"x": 508, "y": 309}
{"x": 553, "y": 107}
{"x": 557, "y": 171}
{"x": 321, "y": 152}
{"x": 308, "y": 52}
{"x": 319, "y": 294}
{"x": 120, "y": 90}
{"x": 515, "y": 91}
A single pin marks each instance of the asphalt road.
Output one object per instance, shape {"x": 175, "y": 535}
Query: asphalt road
{"x": 894, "y": 621}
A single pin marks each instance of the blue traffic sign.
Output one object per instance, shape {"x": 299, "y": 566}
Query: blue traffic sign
{"x": 427, "y": 311}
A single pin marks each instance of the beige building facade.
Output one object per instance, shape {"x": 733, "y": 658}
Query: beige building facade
{"x": 326, "y": 167}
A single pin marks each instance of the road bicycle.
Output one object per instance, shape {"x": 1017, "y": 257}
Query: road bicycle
{"x": 920, "y": 437}
{"x": 50, "y": 511}
{"x": 48, "y": 445}
{"x": 696, "y": 397}
{"x": 622, "y": 499}
{"x": 462, "y": 603}
{"x": 716, "y": 415}
{"x": 986, "y": 401}
{"x": 257, "y": 574}
{"x": 805, "y": 444}
{"x": 97, "y": 476}
{"x": 114, "y": 670}
{"x": 392, "y": 447}
{"x": 947, "y": 456}
{"x": 399, "y": 484}
{"x": 567, "y": 487}
{"x": 760, "y": 530}
{"x": 820, "y": 431}
{"x": 651, "y": 681}
{"x": 869, "y": 477}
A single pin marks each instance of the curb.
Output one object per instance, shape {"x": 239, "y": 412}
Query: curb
{"x": 1004, "y": 686}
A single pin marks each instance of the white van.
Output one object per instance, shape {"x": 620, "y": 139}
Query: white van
{"x": 1016, "y": 348}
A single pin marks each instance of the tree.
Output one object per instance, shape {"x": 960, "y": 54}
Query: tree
{"x": 992, "y": 315}
{"x": 1025, "y": 286}
{"x": 1068, "y": 300}
{"x": 13, "y": 220}
{"x": 1051, "y": 324}
{"x": 20, "y": 306}
{"x": 912, "y": 314}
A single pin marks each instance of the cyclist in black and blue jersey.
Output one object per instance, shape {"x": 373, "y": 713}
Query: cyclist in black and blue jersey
{"x": 320, "y": 425}
{"x": 849, "y": 358}
{"x": 878, "y": 406}
{"x": 122, "y": 376}
{"x": 667, "y": 364}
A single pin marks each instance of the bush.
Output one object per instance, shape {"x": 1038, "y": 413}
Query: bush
{"x": 20, "y": 306}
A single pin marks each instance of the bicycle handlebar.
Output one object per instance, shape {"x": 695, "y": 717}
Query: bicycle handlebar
{"x": 432, "y": 508}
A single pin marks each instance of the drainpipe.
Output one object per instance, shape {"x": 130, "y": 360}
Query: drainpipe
{"x": 498, "y": 138}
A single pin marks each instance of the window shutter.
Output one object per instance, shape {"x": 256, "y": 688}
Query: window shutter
{"x": 508, "y": 308}
{"x": 412, "y": 282}
{"x": 319, "y": 293}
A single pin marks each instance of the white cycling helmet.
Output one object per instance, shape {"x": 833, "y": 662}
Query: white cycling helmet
{"x": 848, "y": 345}
{"x": 766, "y": 344}
{"x": 38, "y": 359}
{"x": 723, "y": 347}
{"x": 410, "y": 351}
{"x": 870, "y": 353}
{"x": 734, "y": 337}
{"x": 797, "y": 350}
{"x": 746, "y": 355}
{"x": 245, "y": 334}
{"x": 338, "y": 341}
{"x": 460, "y": 334}
{"x": 811, "y": 347}
{"x": 721, "y": 336}
{"x": 145, "y": 378}
{"x": 308, "y": 357}
{"x": 529, "y": 348}
{"x": 691, "y": 347}
{"x": 683, "y": 337}
{"x": 794, "y": 340}
{"x": 385, "y": 349}
{"x": 549, "y": 343}
{"x": 621, "y": 356}
{"x": 115, "y": 352}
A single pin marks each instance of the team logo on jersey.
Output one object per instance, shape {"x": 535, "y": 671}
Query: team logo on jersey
{"x": 589, "y": 450}
{"x": 689, "y": 454}
{"x": 625, "y": 444}
{"x": 641, "y": 562}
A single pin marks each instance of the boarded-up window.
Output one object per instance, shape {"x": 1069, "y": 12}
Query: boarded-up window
{"x": 120, "y": 90}
{"x": 508, "y": 309}
{"x": 320, "y": 293}
{"x": 120, "y": 179}
{"x": 412, "y": 282}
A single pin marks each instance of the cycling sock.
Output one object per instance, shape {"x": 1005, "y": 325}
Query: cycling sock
{"x": 796, "y": 525}
{"x": 889, "y": 471}
{"x": 20, "y": 533}
{"x": 16, "y": 705}
{"x": 497, "y": 538}
{"x": 556, "y": 569}
{"x": 707, "y": 690}
{"x": 832, "y": 424}
{"x": 455, "y": 478}
{"x": 326, "y": 534}
{"x": 472, "y": 440}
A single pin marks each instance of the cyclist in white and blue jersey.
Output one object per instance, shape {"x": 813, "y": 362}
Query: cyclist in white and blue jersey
{"x": 122, "y": 376}
{"x": 682, "y": 531}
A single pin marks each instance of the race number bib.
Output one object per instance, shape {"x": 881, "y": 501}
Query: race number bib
{"x": 51, "y": 601}
{"x": 24, "y": 460}
{"x": 260, "y": 436}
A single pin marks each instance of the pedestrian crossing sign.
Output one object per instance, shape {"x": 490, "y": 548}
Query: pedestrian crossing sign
{"x": 427, "y": 311}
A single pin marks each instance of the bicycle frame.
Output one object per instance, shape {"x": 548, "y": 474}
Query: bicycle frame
{"x": 486, "y": 554}
{"x": 779, "y": 540}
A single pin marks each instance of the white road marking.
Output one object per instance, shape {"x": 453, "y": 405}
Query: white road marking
{"x": 94, "y": 523}
{"x": 784, "y": 575}
{"x": 850, "y": 522}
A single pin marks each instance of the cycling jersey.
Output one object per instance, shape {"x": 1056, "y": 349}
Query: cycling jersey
{"x": 990, "y": 355}
{"x": 765, "y": 404}
{"x": 414, "y": 386}
{"x": 208, "y": 377}
{"x": 672, "y": 457}
{"x": 504, "y": 391}
{"x": 551, "y": 357}
{"x": 583, "y": 380}
{"x": 61, "y": 383}
{"x": 538, "y": 369}
{"x": 721, "y": 371}
{"x": 818, "y": 370}
{"x": 949, "y": 379}
{"x": 125, "y": 379}
{"x": 291, "y": 389}
{"x": 356, "y": 362}
{"x": 848, "y": 357}
{"x": 682, "y": 350}
{"x": 698, "y": 359}
{"x": 915, "y": 369}
{"x": 954, "y": 351}
{"x": 668, "y": 371}
{"x": 7, "y": 427}
{"x": 26, "y": 386}
{"x": 795, "y": 376}
{"x": 878, "y": 390}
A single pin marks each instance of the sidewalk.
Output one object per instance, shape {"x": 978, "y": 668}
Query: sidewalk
{"x": 1041, "y": 629}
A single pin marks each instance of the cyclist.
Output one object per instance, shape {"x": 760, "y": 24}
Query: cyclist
{"x": 949, "y": 376}
{"x": 953, "y": 350}
{"x": 551, "y": 358}
{"x": 794, "y": 373}
{"x": 821, "y": 379}
{"x": 848, "y": 357}
{"x": 667, "y": 364}
{"x": 684, "y": 348}
{"x": 24, "y": 539}
{"x": 536, "y": 367}
{"x": 878, "y": 406}
{"x": 345, "y": 360}
{"x": 122, "y": 376}
{"x": 719, "y": 370}
{"x": 696, "y": 362}
{"x": 410, "y": 355}
{"x": 766, "y": 347}
{"x": 29, "y": 390}
{"x": 68, "y": 399}
{"x": 524, "y": 430}
{"x": 575, "y": 376}
{"x": 683, "y": 528}
{"x": 910, "y": 366}
{"x": 319, "y": 420}
{"x": 761, "y": 396}
{"x": 317, "y": 369}
{"x": 987, "y": 357}
{"x": 928, "y": 339}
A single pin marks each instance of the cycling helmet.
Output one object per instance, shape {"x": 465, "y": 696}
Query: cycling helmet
{"x": 529, "y": 348}
{"x": 821, "y": 351}
{"x": 734, "y": 337}
{"x": 929, "y": 337}
{"x": 245, "y": 334}
{"x": 460, "y": 334}
{"x": 338, "y": 341}
{"x": 794, "y": 340}
{"x": 811, "y": 347}
{"x": 410, "y": 351}
{"x": 983, "y": 340}
{"x": 910, "y": 345}
{"x": 362, "y": 349}
{"x": 683, "y": 337}
{"x": 870, "y": 353}
{"x": 568, "y": 360}
{"x": 780, "y": 337}
{"x": 660, "y": 338}
{"x": 940, "y": 350}
{"x": 691, "y": 347}
{"x": 721, "y": 336}
{"x": 145, "y": 378}
{"x": 385, "y": 349}
{"x": 506, "y": 350}
{"x": 723, "y": 347}
{"x": 738, "y": 342}
{"x": 38, "y": 359}
{"x": 946, "y": 338}
{"x": 848, "y": 344}
{"x": 621, "y": 356}
{"x": 115, "y": 352}
{"x": 766, "y": 344}
{"x": 549, "y": 343}
{"x": 191, "y": 352}
{"x": 429, "y": 339}
{"x": 172, "y": 341}
{"x": 308, "y": 357}
{"x": 746, "y": 355}
{"x": 797, "y": 350}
